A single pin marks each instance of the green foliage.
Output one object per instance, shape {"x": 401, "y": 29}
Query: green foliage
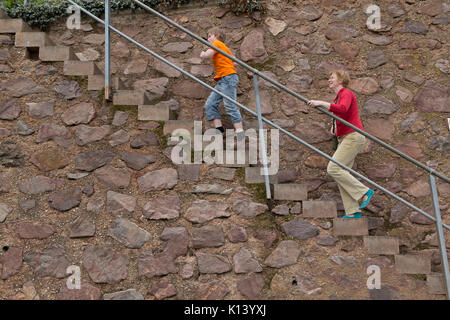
{"x": 37, "y": 13}
{"x": 42, "y": 13}
{"x": 243, "y": 6}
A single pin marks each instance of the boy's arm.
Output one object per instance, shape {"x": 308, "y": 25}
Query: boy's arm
{"x": 207, "y": 54}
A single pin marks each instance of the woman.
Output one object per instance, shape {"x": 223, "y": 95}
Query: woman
{"x": 350, "y": 144}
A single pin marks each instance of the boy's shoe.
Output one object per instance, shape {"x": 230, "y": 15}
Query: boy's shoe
{"x": 369, "y": 195}
{"x": 219, "y": 132}
{"x": 356, "y": 215}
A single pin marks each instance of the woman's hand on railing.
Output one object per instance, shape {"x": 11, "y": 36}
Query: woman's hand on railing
{"x": 319, "y": 103}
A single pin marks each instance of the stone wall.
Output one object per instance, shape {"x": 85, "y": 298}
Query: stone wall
{"x": 86, "y": 183}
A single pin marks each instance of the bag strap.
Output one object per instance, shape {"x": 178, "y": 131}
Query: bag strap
{"x": 334, "y": 120}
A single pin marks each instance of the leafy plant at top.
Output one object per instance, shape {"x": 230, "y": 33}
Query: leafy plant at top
{"x": 37, "y": 13}
{"x": 42, "y": 13}
{"x": 243, "y": 6}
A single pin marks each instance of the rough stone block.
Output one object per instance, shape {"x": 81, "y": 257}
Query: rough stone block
{"x": 350, "y": 227}
{"x": 56, "y": 53}
{"x": 436, "y": 284}
{"x": 129, "y": 98}
{"x": 32, "y": 39}
{"x": 13, "y": 26}
{"x": 171, "y": 125}
{"x": 155, "y": 112}
{"x": 189, "y": 172}
{"x": 290, "y": 191}
{"x": 413, "y": 264}
{"x": 80, "y": 68}
{"x": 382, "y": 245}
{"x": 97, "y": 82}
{"x": 234, "y": 163}
{"x": 319, "y": 209}
{"x": 253, "y": 175}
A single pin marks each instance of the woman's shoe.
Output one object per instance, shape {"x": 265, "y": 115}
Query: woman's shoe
{"x": 356, "y": 215}
{"x": 369, "y": 195}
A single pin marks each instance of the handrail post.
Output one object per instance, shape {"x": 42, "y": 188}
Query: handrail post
{"x": 107, "y": 52}
{"x": 440, "y": 233}
{"x": 187, "y": 74}
{"x": 262, "y": 142}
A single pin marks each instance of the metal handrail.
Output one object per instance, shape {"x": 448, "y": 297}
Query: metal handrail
{"x": 286, "y": 89}
{"x": 431, "y": 171}
{"x": 263, "y": 118}
{"x": 438, "y": 221}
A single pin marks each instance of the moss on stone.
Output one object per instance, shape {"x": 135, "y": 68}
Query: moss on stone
{"x": 115, "y": 108}
{"x": 265, "y": 66}
{"x": 162, "y": 139}
{"x": 82, "y": 80}
{"x": 421, "y": 277}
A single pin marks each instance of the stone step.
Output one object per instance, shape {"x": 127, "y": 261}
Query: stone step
{"x": 159, "y": 112}
{"x": 97, "y": 82}
{"x": 130, "y": 98}
{"x": 436, "y": 283}
{"x": 319, "y": 209}
{"x": 290, "y": 191}
{"x": 234, "y": 163}
{"x": 32, "y": 39}
{"x": 80, "y": 68}
{"x": 13, "y": 26}
{"x": 413, "y": 264}
{"x": 253, "y": 175}
{"x": 350, "y": 227}
{"x": 172, "y": 125}
{"x": 382, "y": 245}
{"x": 56, "y": 53}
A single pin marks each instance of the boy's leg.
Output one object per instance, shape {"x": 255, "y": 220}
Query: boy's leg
{"x": 230, "y": 88}
{"x": 211, "y": 106}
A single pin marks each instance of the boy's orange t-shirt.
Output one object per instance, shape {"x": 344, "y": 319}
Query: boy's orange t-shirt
{"x": 223, "y": 66}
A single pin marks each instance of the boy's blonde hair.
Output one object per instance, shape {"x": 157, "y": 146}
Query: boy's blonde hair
{"x": 217, "y": 32}
{"x": 342, "y": 76}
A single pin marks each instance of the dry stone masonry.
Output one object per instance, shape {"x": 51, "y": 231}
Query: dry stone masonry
{"x": 90, "y": 183}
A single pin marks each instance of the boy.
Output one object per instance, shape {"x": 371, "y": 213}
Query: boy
{"x": 227, "y": 82}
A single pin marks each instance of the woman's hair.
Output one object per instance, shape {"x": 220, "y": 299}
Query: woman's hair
{"x": 342, "y": 76}
{"x": 217, "y": 32}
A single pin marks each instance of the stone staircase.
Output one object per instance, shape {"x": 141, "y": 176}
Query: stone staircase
{"x": 291, "y": 198}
